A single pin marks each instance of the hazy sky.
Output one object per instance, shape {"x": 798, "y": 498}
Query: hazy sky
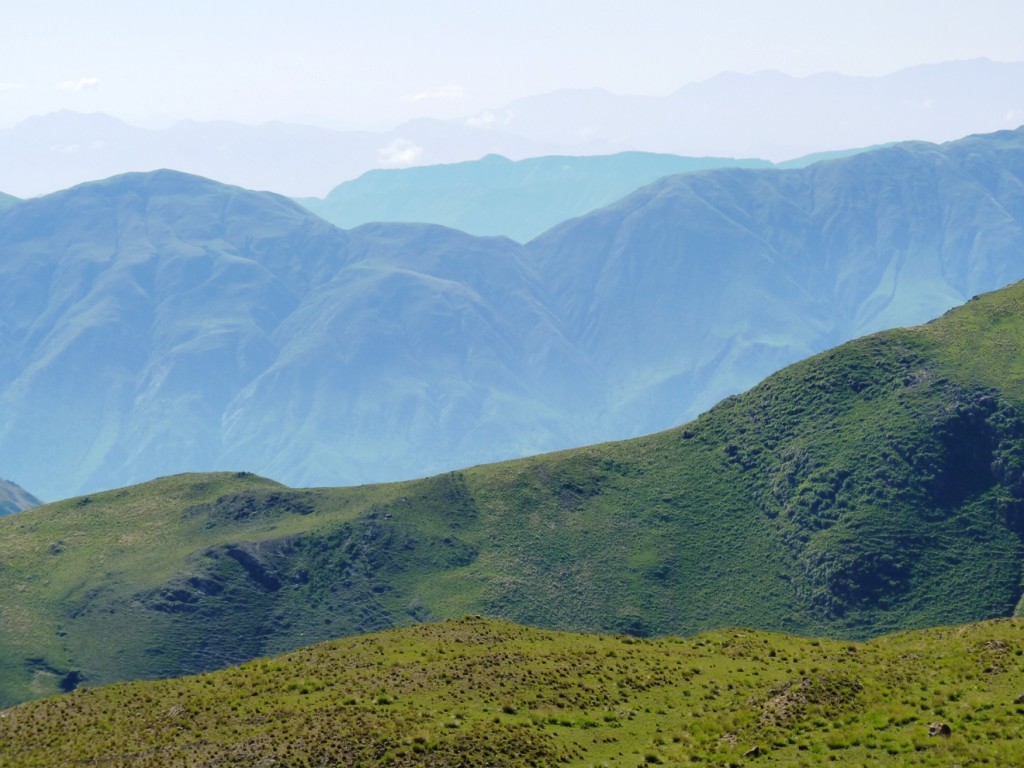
{"x": 374, "y": 64}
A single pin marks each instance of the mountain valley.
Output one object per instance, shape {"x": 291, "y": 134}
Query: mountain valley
{"x": 184, "y": 325}
{"x": 479, "y": 385}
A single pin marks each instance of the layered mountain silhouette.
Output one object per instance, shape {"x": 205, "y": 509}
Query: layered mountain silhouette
{"x": 498, "y": 196}
{"x": 161, "y": 322}
{"x": 696, "y": 286}
{"x": 765, "y": 114}
{"x": 776, "y": 116}
{"x": 54, "y": 151}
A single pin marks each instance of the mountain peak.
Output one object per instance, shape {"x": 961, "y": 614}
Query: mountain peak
{"x": 14, "y": 498}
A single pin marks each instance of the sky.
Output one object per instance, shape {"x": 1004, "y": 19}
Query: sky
{"x": 343, "y": 64}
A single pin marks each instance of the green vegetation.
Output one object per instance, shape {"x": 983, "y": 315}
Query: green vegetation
{"x": 874, "y": 488}
{"x": 482, "y": 692}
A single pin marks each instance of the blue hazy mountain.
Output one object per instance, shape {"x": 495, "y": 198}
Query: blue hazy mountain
{"x": 699, "y": 285}
{"x": 497, "y": 196}
{"x": 763, "y": 114}
{"x": 6, "y": 200}
{"x": 777, "y": 116}
{"x": 50, "y": 152}
{"x": 515, "y": 198}
{"x": 14, "y": 498}
{"x": 157, "y": 323}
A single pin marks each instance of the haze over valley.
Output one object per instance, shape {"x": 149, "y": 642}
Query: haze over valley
{"x": 464, "y": 384}
{"x": 181, "y": 324}
{"x": 767, "y": 115}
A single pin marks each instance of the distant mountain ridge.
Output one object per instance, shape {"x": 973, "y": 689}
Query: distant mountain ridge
{"x": 764, "y": 114}
{"x": 180, "y": 324}
{"x": 772, "y": 266}
{"x": 52, "y": 152}
{"x": 497, "y": 196}
{"x": 14, "y": 498}
{"x": 166, "y": 322}
{"x": 519, "y": 199}
{"x": 776, "y": 116}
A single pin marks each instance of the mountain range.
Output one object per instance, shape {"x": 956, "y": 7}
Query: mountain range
{"x": 157, "y": 323}
{"x": 873, "y": 488}
{"x": 765, "y": 114}
{"x": 51, "y": 152}
{"x": 519, "y": 199}
{"x": 776, "y": 116}
{"x": 498, "y": 196}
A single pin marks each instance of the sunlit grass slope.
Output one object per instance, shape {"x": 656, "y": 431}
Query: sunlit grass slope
{"x": 874, "y": 488}
{"x": 480, "y": 692}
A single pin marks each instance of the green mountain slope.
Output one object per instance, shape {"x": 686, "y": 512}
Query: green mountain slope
{"x": 872, "y": 488}
{"x": 14, "y": 498}
{"x": 497, "y": 196}
{"x": 480, "y": 692}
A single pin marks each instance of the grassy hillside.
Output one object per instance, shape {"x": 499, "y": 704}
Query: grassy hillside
{"x": 874, "y": 488}
{"x": 481, "y": 692}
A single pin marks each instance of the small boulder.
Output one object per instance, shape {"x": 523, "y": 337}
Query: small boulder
{"x": 939, "y": 729}
{"x": 754, "y": 751}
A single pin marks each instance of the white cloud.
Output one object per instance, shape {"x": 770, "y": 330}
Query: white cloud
{"x": 11, "y": 87}
{"x": 81, "y": 84}
{"x": 399, "y": 152}
{"x": 442, "y": 93}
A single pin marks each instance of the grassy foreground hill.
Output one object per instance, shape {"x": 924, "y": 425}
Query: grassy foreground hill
{"x": 874, "y": 488}
{"x": 481, "y": 692}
